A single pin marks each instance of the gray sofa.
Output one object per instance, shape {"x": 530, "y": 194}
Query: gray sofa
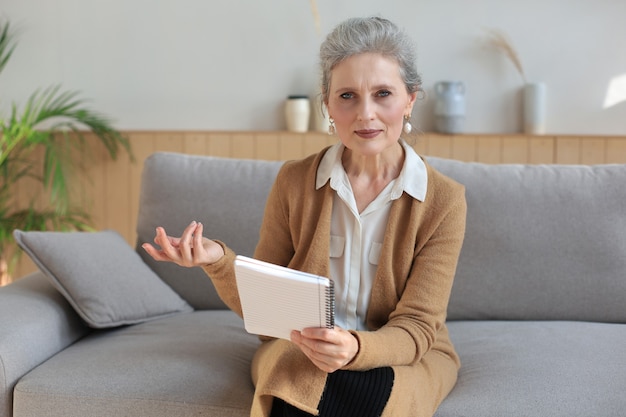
{"x": 537, "y": 311}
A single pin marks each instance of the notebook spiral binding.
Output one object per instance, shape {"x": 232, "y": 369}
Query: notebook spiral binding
{"x": 330, "y": 305}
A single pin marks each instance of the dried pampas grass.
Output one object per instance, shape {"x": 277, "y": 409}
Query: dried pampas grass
{"x": 500, "y": 41}
{"x": 316, "y": 16}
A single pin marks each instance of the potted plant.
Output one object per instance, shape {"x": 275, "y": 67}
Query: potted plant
{"x": 52, "y": 123}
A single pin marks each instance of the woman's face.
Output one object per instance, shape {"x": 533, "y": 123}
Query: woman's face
{"x": 368, "y": 101}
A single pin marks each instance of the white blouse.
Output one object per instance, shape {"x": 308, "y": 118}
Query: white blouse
{"x": 356, "y": 238}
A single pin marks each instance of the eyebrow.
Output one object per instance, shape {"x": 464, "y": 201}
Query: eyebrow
{"x": 375, "y": 88}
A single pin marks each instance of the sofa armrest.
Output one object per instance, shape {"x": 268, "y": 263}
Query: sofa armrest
{"x": 36, "y": 322}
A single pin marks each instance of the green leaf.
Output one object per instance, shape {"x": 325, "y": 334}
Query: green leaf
{"x": 7, "y": 46}
{"x": 55, "y": 122}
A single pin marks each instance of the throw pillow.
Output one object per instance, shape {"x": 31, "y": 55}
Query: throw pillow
{"x": 101, "y": 276}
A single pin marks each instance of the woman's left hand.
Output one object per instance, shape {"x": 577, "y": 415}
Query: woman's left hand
{"x": 328, "y": 349}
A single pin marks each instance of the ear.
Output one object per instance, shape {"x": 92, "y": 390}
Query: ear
{"x": 411, "y": 102}
{"x": 325, "y": 100}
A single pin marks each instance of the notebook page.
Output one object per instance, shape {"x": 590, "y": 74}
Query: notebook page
{"x": 276, "y": 300}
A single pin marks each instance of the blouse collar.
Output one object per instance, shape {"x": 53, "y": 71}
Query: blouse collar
{"x": 413, "y": 178}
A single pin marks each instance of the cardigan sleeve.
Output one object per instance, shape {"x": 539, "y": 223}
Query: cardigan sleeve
{"x": 275, "y": 242}
{"x": 222, "y": 274}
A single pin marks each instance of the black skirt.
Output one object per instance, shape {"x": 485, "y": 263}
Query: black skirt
{"x": 347, "y": 394}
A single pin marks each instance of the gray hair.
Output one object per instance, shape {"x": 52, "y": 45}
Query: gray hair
{"x": 369, "y": 35}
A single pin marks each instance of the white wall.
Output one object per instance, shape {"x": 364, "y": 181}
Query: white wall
{"x": 228, "y": 65}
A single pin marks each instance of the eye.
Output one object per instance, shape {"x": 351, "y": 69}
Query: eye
{"x": 346, "y": 96}
{"x": 383, "y": 93}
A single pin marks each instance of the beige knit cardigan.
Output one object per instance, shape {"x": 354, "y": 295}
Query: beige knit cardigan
{"x": 407, "y": 311}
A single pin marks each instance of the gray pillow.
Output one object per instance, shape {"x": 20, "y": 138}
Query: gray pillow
{"x": 101, "y": 276}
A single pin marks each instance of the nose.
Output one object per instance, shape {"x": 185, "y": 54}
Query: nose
{"x": 366, "y": 109}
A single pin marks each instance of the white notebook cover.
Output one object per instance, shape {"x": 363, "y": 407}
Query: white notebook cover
{"x": 276, "y": 300}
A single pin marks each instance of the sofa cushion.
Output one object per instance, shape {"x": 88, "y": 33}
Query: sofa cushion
{"x": 101, "y": 276}
{"x": 543, "y": 242}
{"x": 185, "y": 365}
{"x": 573, "y": 369}
{"x": 227, "y": 195}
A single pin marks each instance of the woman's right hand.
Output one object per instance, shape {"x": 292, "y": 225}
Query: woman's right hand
{"x": 190, "y": 249}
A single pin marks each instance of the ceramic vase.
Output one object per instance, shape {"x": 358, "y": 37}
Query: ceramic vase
{"x": 449, "y": 106}
{"x": 534, "y": 108}
{"x": 297, "y": 113}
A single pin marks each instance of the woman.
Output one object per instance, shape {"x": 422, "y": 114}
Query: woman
{"x": 372, "y": 215}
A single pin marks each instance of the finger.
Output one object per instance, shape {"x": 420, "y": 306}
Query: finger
{"x": 333, "y": 346}
{"x": 319, "y": 341}
{"x": 322, "y": 334}
{"x": 198, "y": 247}
{"x": 311, "y": 348}
{"x": 174, "y": 241}
{"x": 314, "y": 348}
{"x": 185, "y": 243}
{"x": 152, "y": 251}
{"x": 156, "y": 254}
{"x": 163, "y": 241}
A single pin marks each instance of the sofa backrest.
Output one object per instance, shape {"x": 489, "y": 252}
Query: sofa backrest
{"x": 227, "y": 195}
{"x": 543, "y": 242}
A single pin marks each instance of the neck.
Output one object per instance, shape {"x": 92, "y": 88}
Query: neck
{"x": 384, "y": 166}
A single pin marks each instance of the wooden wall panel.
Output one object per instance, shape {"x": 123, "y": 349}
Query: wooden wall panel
{"x": 514, "y": 150}
{"x": 593, "y": 151}
{"x": 268, "y": 146}
{"x": 489, "y": 149}
{"x": 615, "y": 151}
{"x": 541, "y": 150}
{"x": 110, "y": 189}
{"x": 568, "y": 151}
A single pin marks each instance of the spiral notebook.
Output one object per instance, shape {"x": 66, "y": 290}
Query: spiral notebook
{"x": 276, "y": 300}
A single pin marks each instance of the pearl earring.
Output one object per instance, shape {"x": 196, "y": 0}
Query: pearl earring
{"x": 331, "y": 127}
{"x": 407, "y": 125}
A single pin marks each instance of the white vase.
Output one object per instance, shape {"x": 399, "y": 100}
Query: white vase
{"x": 534, "y": 109}
{"x": 297, "y": 113}
{"x": 449, "y": 106}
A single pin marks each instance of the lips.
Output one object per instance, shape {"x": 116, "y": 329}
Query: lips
{"x": 367, "y": 133}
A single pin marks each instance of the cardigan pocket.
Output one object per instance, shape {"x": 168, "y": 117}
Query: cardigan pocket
{"x": 337, "y": 245}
